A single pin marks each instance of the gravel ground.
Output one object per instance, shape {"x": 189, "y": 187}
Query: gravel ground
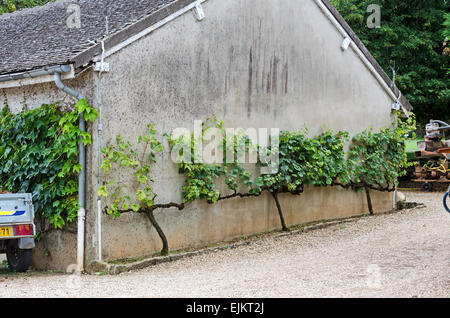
{"x": 397, "y": 255}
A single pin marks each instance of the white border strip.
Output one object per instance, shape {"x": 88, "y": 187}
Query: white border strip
{"x": 36, "y": 80}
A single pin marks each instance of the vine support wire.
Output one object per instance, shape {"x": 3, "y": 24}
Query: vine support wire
{"x": 100, "y": 69}
{"x": 99, "y": 155}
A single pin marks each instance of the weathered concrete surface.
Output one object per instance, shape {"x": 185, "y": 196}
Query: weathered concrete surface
{"x": 57, "y": 250}
{"x": 253, "y": 63}
{"x": 403, "y": 254}
{"x": 259, "y": 64}
{"x": 202, "y": 223}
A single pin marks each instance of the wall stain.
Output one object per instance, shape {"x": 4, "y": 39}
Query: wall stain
{"x": 269, "y": 78}
{"x": 277, "y": 79}
{"x": 250, "y": 83}
{"x": 208, "y": 71}
{"x": 258, "y": 56}
{"x": 286, "y": 76}
{"x": 226, "y": 82}
{"x": 275, "y": 75}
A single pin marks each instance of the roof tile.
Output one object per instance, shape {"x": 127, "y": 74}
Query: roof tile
{"x": 37, "y": 37}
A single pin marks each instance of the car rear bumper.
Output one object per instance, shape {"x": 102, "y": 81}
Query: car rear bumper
{"x": 12, "y": 231}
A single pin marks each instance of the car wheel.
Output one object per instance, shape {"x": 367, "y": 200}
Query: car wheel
{"x": 18, "y": 260}
{"x": 427, "y": 187}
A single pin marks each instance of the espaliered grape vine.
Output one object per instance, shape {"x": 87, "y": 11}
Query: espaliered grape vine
{"x": 377, "y": 159}
{"x": 123, "y": 155}
{"x": 302, "y": 161}
{"x": 374, "y": 161}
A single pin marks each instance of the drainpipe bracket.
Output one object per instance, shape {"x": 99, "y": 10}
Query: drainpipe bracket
{"x": 101, "y": 67}
{"x": 198, "y": 11}
{"x": 396, "y": 106}
{"x": 346, "y": 43}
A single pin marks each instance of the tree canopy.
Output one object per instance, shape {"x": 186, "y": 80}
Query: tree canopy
{"x": 8, "y": 6}
{"x": 413, "y": 40}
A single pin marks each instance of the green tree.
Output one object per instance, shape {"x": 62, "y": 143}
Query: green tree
{"x": 447, "y": 27}
{"x": 446, "y": 34}
{"x": 411, "y": 40}
{"x": 8, "y": 6}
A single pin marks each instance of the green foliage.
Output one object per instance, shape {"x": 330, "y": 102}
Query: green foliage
{"x": 375, "y": 159}
{"x": 8, "y": 6}
{"x": 201, "y": 181}
{"x": 39, "y": 155}
{"x": 308, "y": 161}
{"x": 124, "y": 156}
{"x": 446, "y": 32}
{"x": 202, "y": 178}
{"x": 378, "y": 159}
{"x": 410, "y": 40}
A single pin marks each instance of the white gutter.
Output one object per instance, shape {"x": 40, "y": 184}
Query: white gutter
{"x": 80, "y": 239}
{"x": 358, "y": 51}
{"x": 44, "y": 75}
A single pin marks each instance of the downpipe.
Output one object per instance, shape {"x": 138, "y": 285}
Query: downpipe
{"x": 80, "y": 239}
{"x": 81, "y": 175}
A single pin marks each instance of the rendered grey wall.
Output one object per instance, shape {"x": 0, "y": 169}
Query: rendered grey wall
{"x": 253, "y": 63}
{"x": 33, "y": 96}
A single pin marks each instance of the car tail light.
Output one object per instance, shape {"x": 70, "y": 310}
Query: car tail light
{"x": 23, "y": 230}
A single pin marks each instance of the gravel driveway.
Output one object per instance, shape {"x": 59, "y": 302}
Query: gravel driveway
{"x": 405, "y": 254}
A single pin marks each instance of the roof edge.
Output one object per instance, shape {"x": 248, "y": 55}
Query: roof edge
{"x": 367, "y": 54}
{"x": 134, "y": 29}
{"x": 116, "y": 39}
